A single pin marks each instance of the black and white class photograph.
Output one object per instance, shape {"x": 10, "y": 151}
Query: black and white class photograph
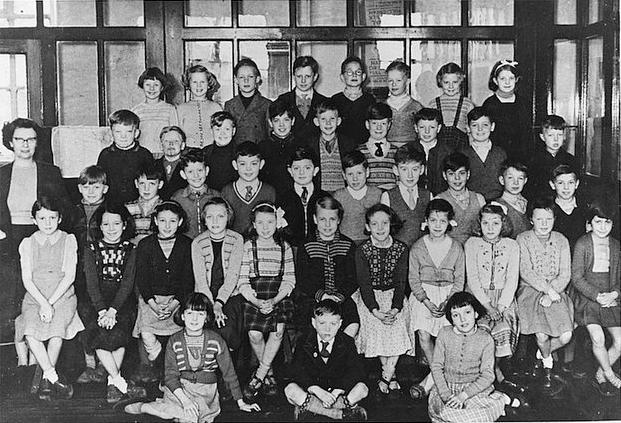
{"x": 310, "y": 210}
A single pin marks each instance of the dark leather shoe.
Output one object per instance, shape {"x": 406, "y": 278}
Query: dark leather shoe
{"x": 551, "y": 386}
{"x": 63, "y": 389}
{"x": 45, "y": 390}
{"x": 354, "y": 414}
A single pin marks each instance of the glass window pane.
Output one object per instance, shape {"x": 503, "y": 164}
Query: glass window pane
{"x": 595, "y": 98}
{"x": 565, "y": 12}
{"x": 379, "y": 13}
{"x": 273, "y": 59}
{"x": 217, "y": 56}
{"x": 596, "y": 11}
{"x": 78, "y": 95}
{"x": 427, "y": 58}
{"x": 377, "y": 55}
{"x": 491, "y": 12}
{"x": 481, "y": 57}
{"x": 565, "y": 85}
{"x": 435, "y": 13}
{"x": 329, "y": 67}
{"x": 263, "y": 13}
{"x": 208, "y": 13}
{"x": 321, "y": 13}
{"x": 123, "y": 13}
{"x": 13, "y": 87}
{"x": 69, "y": 13}
{"x": 124, "y": 61}
{"x": 18, "y": 13}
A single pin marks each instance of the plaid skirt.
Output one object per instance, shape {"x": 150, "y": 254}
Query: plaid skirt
{"x": 486, "y": 406}
{"x": 267, "y": 287}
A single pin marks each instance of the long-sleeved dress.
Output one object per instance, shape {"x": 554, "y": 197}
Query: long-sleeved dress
{"x": 464, "y": 362}
{"x": 544, "y": 264}
{"x": 492, "y": 271}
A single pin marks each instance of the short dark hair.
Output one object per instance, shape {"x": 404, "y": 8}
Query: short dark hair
{"x": 280, "y": 107}
{"x": 395, "y": 222}
{"x": 303, "y": 153}
{"x": 192, "y": 157}
{"x": 219, "y": 201}
{"x": 449, "y": 68}
{"x": 604, "y": 209}
{"x": 266, "y": 207}
{"x": 171, "y": 206}
{"x": 8, "y": 130}
{"x": 543, "y": 202}
{"x": 218, "y": 118}
{"x": 172, "y": 128}
{"x": 354, "y": 158}
{"x": 409, "y": 153}
{"x": 553, "y": 122}
{"x": 494, "y": 208}
{"x": 327, "y": 306}
{"x": 248, "y": 149}
{"x": 196, "y": 301}
{"x": 400, "y": 66}
{"x": 479, "y": 112}
{"x": 454, "y": 161}
{"x": 304, "y": 61}
{"x": 463, "y": 299}
{"x": 427, "y": 113}
{"x": 150, "y": 171}
{"x": 124, "y": 117}
{"x": 154, "y": 74}
{"x": 498, "y": 67}
{"x": 563, "y": 169}
{"x": 92, "y": 175}
{"x": 247, "y": 62}
{"x": 515, "y": 164}
{"x": 379, "y": 111}
{"x": 326, "y": 106}
{"x": 48, "y": 203}
{"x": 328, "y": 202}
{"x": 352, "y": 59}
{"x": 112, "y": 207}
{"x": 440, "y": 205}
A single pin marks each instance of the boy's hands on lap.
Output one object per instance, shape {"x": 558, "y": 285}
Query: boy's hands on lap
{"x": 248, "y": 408}
{"x": 328, "y": 399}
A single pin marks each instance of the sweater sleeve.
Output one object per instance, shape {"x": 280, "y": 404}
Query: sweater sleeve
{"x": 437, "y": 367}
{"x": 143, "y": 275}
{"x": 201, "y": 284}
{"x": 472, "y": 270}
{"x": 244, "y": 274}
{"x": 486, "y": 370}
{"x": 414, "y": 274}
{"x": 527, "y": 271}
{"x": 92, "y": 280}
{"x": 512, "y": 275}
{"x": 579, "y": 269}
{"x": 225, "y": 363}
{"x": 232, "y": 272}
{"x": 288, "y": 277}
{"x": 564, "y": 272}
{"x": 364, "y": 280}
{"x": 399, "y": 279}
{"x": 172, "y": 375}
{"x": 127, "y": 283}
{"x": 459, "y": 273}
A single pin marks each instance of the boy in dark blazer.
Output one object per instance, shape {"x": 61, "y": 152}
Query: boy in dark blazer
{"x": 304, "y": 98}
{"x": 327, "y": 372}
{"x": 173, "y": 145}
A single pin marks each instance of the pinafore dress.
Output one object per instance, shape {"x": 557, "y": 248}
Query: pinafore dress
{"x": 452, "y": 135}
{"x": 267, "y": 287}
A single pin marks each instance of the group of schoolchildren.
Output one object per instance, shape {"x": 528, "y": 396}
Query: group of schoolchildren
{"x": 362, "y": 224}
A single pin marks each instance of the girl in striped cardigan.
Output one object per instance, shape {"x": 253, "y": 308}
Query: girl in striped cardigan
{"x": 193, "y": 357}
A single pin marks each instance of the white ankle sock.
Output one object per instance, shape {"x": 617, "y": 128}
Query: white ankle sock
{"x": 548, "y": 362}
{"x": 119, "y": 382}
{"x": 51, "y": 375}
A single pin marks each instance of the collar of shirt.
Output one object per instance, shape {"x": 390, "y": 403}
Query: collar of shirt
{"x": 306, "y": 95}
{"x": 298, "y": 189}
{"x": 427, "y": 146}
{"x": 358, "y": 195}
{"x": 397, "y": 102}
{"x": 188, "y": 191}
{"x": 41, "y": 237}
{"x": 485, "y": 146}
{"x": 328, "y": 347}
{"x": 567, "y": 206}
{"x": 405, "y": 192}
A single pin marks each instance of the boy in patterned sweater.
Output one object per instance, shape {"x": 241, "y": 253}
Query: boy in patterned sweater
{"x": 149, "y": 180}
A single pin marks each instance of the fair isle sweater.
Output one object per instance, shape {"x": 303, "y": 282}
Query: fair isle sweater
{"x": 202, "y": 261}
{"x": 352, "y": 224}
{"x": 215, "y": 355}
{"x": 380, "y": 168}
{"x": 459, "y": 358}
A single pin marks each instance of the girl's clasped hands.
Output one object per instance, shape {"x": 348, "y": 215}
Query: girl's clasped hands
{"x": 387, "y": 317}
{"x": 107, "y": 318}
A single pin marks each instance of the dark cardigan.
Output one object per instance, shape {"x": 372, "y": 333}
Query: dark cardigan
{"x": 343, "y": 370}
{"x": 302, "y": 128}
{"x": 158, "y": 275}
{"x": 49, "y": 182}
{"x": 299, "y": 226}
{"x": 176, "y": 181}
